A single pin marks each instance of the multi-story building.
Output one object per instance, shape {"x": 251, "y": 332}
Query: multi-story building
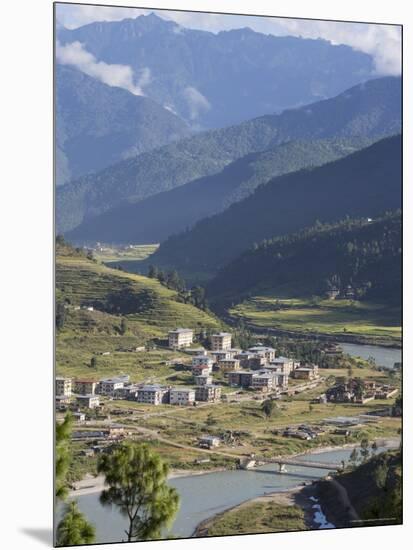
{"x": 202, "y": 361}
{"x": 285, "y": 363}
{"x": 153, "y": 394}
{"x": 241, "y": 378}
{"x": 87, "y": 401}
{"x": 243, "y": 358}
{"x": 85, "y": 387}
{"x": 201, "y": 370}
{"x": 182, "y": 396}
{"x": 63, "y": 386}
{"x": 221, "y": 355}
{"x": 263, "y": 351}
{"x": 263, "y": 381}
{"x": 180, "y": 338}
{"x": 202, "y": 379}
{"x": 221, "y": 341}
{"x": 227, "y": 365}
{"x": 108, "y": 386}
{"x": 209, "y": 392}
{"x": 306, "y": 372}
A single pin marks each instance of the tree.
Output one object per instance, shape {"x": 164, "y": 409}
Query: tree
{"x": 153, "y": 272}
{"x": 364, "y": 449}
{"x": 63, "y": 455}
{"x": 60, "y": 315}
{"x": 268, "y": 407}
{"x": 123, "y": 326}
{"x": 354, "y": 457}
{"x": 136, "y": 477}
{"x": 74, "y": 529}
{"x": 93, "y": 363}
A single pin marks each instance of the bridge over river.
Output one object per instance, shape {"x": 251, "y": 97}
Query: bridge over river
{"x": 248, "y": 463}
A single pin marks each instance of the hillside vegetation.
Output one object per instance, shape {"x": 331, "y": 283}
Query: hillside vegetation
{"x": 98, "y": 125}
{"x": 363, "y": 184}
{"x": 161, "y": 215}
{"x": 371, "y": 110}
{"x": 363, "y": 254}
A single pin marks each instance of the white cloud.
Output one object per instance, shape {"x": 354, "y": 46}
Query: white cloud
{"x": 196, "y": 102}
{"x": 112, "y": 74}
{"x": 382, "y": 42}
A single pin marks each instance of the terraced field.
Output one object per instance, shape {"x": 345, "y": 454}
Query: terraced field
{"x": 128, "y": 311}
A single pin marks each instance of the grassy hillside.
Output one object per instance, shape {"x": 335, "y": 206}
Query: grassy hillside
{"x": 129, "y": 311}
{"x": 374, "y": 490}
{"x": 364, "y": 184}
{"x": 371, "y": 110}
{"x": 161, "y": 215}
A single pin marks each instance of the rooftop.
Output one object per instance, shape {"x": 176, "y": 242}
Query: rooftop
{"x": 222, "y": 334}
{"x": 180, "y": 330}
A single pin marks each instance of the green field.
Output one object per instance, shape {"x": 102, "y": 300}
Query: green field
{"x": 318, "y": 316}
{"x": 257, "y": 517}
{"x": 148, "y": 308}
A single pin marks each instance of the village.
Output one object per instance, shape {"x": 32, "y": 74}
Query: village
{"x": 256, "y": 374}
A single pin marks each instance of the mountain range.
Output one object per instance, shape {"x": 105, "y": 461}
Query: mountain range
{"x": 217, "y": 79}
{"x": 368, "y": 111}
{"x": 98, "y": 125}
{"x": 363, "y": 184}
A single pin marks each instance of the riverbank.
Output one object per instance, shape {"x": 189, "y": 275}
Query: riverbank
{"x": 308, "y": 499}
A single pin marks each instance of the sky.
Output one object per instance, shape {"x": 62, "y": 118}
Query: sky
{"x": 382, "y": 42}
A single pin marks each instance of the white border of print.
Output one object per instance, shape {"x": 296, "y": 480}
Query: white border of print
{"x": 26, "y": 248}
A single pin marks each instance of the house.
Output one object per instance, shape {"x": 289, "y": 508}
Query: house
{"x": 202, "y": 361}
{"x": 280, "y": 374}
{"x": 285, "y": 363}
{"x": 209, "y": 441}
{"x": 153, "y": 394}
{"x": 87, "y": 401}
{"x": 209, "y": 392}
{"x": 180, "y": 338}
{"x": 129, "y": 392}
{"x": 202, "y": 379}
{"x": 240, "y": 378}
{"x": 227, "y": 365}
{"x": 196, "y": 351}
{"x": 332, "y": 293}
{"x": 218, "y": 356}
{"x": 268, "y": 353}
{"x": 385, "y": 392}
{"x": 62, "y": 401}
{"x": 263, "y": 381}
{"x": 306, "y": 372}
{"x": 63, "y": 386}
{"x": 181, "y": 396}
{"x": 108, "y": 386}
{"x": 256, "y": 362}
{"x": 221, "y": 341}
{"x": 201, "y": 370}
{"x": 349, "y": 292}
{"x": 79, "y": 417}
{"x": 243, "y": 358}
{"x": 85, "y": 387}
{"x": 115, "y": 431}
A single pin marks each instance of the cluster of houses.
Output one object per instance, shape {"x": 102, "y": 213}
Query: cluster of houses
{"x": 257, "y": 368}
{"x": 353, "y": 391}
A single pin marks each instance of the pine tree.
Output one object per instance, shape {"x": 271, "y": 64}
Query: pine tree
{"x": 74, "y": 529}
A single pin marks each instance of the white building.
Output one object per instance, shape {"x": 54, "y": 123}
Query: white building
{"x": 88, "y": 401}
{"x": 263, "y": 381}
{"x": 285, "y": 363}
{"x": 202, "y": 361}
{"x": 268, "y": 353}
{"x": 108, "y": 386}
{"x": 221, "y": 341}
{"x": 181, "y": 396}
{"x": 180, "y": 338}
{"x": 63, "y": 386}
{"x": 153, "y": 394}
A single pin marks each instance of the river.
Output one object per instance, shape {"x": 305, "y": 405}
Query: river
{"x": 384, "y": 357}
{"x": 203, "y": 496}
